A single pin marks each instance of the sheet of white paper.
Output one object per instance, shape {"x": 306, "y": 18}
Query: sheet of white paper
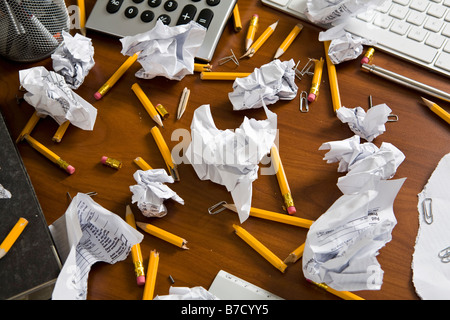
{"x": 431, "y": 272}
{"x": 185, "y": 293}
{"x": 366, "y": 125}
{"x": 4, "y": 193}
{"x": 266, "y": 85}
{"x": 166, "y": 51}
{"x": 93, "y": 234}
{"x": 342, "y": 244}
{"x": 150, "y": 192}
{"x": 231, "y": 158}
{"x": 73, "y": 59}
{"x": 49, "y": 94}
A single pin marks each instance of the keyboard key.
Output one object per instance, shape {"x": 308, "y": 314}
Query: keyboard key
{"x": 417, "y": 34}
{"x": 435, "y": 40}
{"x": 205, "y": 17}
{"x": 443, "y": 61}
{"x": 382, "y": 21}
{"x": 402, "y": 2}
{"x": 187, "y": 14}
{"x": 419, "y": 5}
{"x": 416, "y": 18}
{"x": 399, "y": 11}
{"x": 131, "y": 12}
{"x": 280, "y": 2}
{"x": 212, "y": 2}
{"x": 170, "y": 5}
{"x": 400, "y": 27}
{"x": 113, "y": 6}
{"x": 147, "y": 16}
{"x": 436, "y": 10}
{"x": 165, "y": 19}
{"x": 154, "y": 3}
{"x": 446, "y": 30}
{"x": 298, "y": 5}
{"x": 433, "y": 24}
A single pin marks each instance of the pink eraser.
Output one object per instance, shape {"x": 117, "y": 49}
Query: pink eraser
{"x": 104, "y": 158}
{"x": 70, "y": 169}
{"x": 364, "y": 60}
{"x": 291, "y": 210}
{"x": 140, "y": 280}
{"x": 311, "y": 97}
{"x": 97, "y": 95}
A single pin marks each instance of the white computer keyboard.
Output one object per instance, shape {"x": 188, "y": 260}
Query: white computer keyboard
{"x": 415, "y": 30}
{"x": 129, "y": 17}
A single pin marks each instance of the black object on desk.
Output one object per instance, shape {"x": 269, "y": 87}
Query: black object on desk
{"x": 30, "y": 268}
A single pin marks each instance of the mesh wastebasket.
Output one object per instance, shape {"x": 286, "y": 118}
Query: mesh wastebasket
{"x": 30, "y": 30}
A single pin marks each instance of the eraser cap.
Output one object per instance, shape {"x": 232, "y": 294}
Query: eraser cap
{"x": 70, "y": 169}
{"x": 97, "y": 95}
{"x": 364, "y": 60}
{"x": 291, "y": 210}
{"x": 311, "y": 97}
{"x": 140, "y": 280}
{"x": 104, "y": 158}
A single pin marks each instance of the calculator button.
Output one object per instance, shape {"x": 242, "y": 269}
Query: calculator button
{"x": 113, "y": 5}
{"x": 147, "y": 16}
{"x": 164, "y": 19}
{"x": 205, "y": 17}
{"x": 154, "y": 3}
{"x": 170, "y": 5}
{"x": 187, "y": 14}
{"x": 212, "y": 2}
{"x": 137, "y": 1}
{"x": 131, "y": 12}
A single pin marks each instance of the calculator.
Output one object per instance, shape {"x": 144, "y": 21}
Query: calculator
{"x": 122, "y": 18}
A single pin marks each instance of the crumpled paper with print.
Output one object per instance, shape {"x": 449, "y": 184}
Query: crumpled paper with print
{"x": 166, "y": 51}
{"x": 186, "y": 293}
{"x": 150, "y": 192}
{"x": 73, "y": 59}
{"x": 266, "y": 85}
{"x": 49, "y": 94}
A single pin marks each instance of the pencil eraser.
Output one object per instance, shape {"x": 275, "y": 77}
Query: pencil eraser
{"x": 291, "y": 210}
{"x": 97, "y": 95}
{"x": 364, "y": 60}
{"x": 104, "y": 158}
{"x": 311, "y": 97}
{"x": 140, "y": 280}
{"x": 70, "y": 169}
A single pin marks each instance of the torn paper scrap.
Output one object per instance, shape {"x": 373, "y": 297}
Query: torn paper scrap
{"x": 166, "y": 51}
{"x": 431, "y": 258}
{"x": 231, "y": 158}
{"x": 49, "y": 94}
{"x": 4, "y": 193}
{"x": 150, "y": 192}
{"x": 266, "y": 85}
{"x": 88, "y": 233}
{"x": 186, "y": 293}
{"x": 342, "y": 244}
{"x": 366, "y": 125}
{"x": 73, "y": 59}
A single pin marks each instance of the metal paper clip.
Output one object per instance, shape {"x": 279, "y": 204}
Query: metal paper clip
{"x": 427, "y": 212}
{"x": 444, "y": 255}
{"x": 391, "y": 117}
{"x": 304, "y": 107}
{"x": 92, "y": 193}
{"x": 305, "y": 70}
{"x": 210, "y": 209}
{"x": 226, "y": 59}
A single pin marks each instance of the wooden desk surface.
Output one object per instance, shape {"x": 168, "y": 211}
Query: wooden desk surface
{"x": 122, "y": 131}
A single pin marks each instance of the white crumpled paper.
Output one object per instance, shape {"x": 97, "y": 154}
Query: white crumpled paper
{"x": 49, "y": 94}
{"x": 166, "y": 51}
{"x": 231, "y": 158}
{"x": 150, "y": 192}
{"x": 73, "y": 59}
{"x": 366, "y": 125}
{"x": 86, "y": 234}
{"x": 4, "y": 193}
{"x": 266, "y": 85}
{"x": 185, "y": 293}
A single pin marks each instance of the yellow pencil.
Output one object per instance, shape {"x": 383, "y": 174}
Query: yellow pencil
{"x": 289, "y": 39}
{"x": 346, "y": 295}
{"x": 29, "y": 126}
{"x": 82, "y": 10}
{"x": 274, "y": 216}
{"x": 49, "y": 154}
{"x": 165, "y": 152}
{"x": 136, "y": 253}
{"x": 237, "y": 19}
{"x": 223, "y": 75}
{"x": 57, "y": 137}
{"x": 295, "y": 255}
{"x": 142, "y": 163}
{"x": 252, "y": 28}
{"x": 116, "y": 76}
{"x": 200, "y": 67}
{"x": 332, "y": 76}
{"x": 12, "y": 236}
{"x": 317, "y": 78}
{"x": 163, "y": 234}
{"x": 437, "y": 110}
{"x": 282, "y": 181}
{"x": 149, "y": 107}
{"x": 260, "y": 41}
{"x": 260, "y": 248}
{"x": 152, "y": 271}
